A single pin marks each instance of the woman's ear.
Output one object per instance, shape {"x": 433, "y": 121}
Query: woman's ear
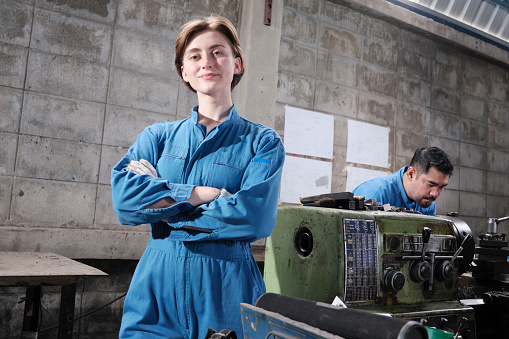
{"x": 184, "y": 74}
{"x": 238, "y": 66}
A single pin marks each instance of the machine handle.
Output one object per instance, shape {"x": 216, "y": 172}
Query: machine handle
{"x": 461, "y": 327}
{"x": 460, "y": 249}
{"x": 426, "y": 234}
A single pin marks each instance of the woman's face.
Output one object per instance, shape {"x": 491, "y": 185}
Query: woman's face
{"x": 209, "y": 64}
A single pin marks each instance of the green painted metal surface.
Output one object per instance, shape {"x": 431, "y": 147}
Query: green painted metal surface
{"x": 353, "y": 265}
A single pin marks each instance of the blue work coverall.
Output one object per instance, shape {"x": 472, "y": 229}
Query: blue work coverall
{"x": 389, "y": 190}
{"x": 199, "y": 266}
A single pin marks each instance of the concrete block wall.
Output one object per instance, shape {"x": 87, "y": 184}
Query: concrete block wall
{"x": 339, "y": 58}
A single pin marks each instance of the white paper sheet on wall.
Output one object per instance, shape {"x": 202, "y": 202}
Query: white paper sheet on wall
{"x": 304, "y": 177}
{"x": 368, "y": 144}
{"x": 356, "y": 176}
{"x": 309, "y": 133}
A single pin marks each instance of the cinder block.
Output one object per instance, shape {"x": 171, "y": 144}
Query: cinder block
{"x": 473, "y": 132}
{"x": 498, "y": 85}
{"x": 136, "y": 90}
{"x": 498, "y": 138}
{"x": 340, "y": 41}
{"x": 447, "y": 55}
{"x": 299, "y": 26}
{"x": 123, "y": 125}
{"x": 497, "y": 207}
{"x": 472, "y": 156}
{"x": 445, "y": 125}
{"x": 60, "y": 34}
{"x": 377, "y": 80}
{"x": 497, "y": 160}
{"x": 56, "y": 159}
{"x": 445, "y": 100}
{"x": 110, "y": 156}
{"x": 472, "y": 204}
{"x": 53, "y": 204}
{"x": 105, "y": 217}
{"x": 308, "y": 7}
{"x": 407, "y": 142}
{"x": 382, "y": 30}
{"x": 475, "y": 83}
{"x": 58, "y": 75}
{"x": 416, "y": 44}
{"x": 8, "y": 144}
{"x": 377, "y": 109}
{"x": 152, "y": 17}
{"x": 472, "y": 180}
{"x": 413, "y": 118}
{"x": 448, "y": 201}
{"x": 56, "y": 117}
{"x": 16, "y": 24}
{"x": 474, "y": 108}
{"x": 144, "y": 53}
{"x": 297, "y": 58}
{"x": 497, "y": 114}
{"x": 414, "y": 91}
{"x": 295, "y": 89}
{"x": 381, "y": 53}
{"x": 414, "y": 64}
{"x": 342, "y": 17}
{"x": 446, "y": 75}
{"x": 12, "y": 65}
{"x": 336, "y": 99}
{"x": 337, "y": 69}
{"x": 5, "y": 197}
{"x": 102, "y": 11}
{"x": 11, "y": 101}
{"x": 497, "y": 184}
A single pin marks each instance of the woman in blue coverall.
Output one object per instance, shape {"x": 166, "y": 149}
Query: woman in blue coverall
{"x": 208, "y": 185}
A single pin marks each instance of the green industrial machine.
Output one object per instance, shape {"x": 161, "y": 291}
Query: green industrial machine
{"x": 397, "y": 263}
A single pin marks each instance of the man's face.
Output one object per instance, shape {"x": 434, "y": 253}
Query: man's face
{"x": 425, "y": 188}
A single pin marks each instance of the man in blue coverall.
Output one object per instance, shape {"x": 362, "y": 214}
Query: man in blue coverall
{"x": 414, "y": 187}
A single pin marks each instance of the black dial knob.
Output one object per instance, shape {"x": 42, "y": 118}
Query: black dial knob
{"x": 394, "y": 280}
{"x": 445, "y": 270}
{"x": 420, "y": 270}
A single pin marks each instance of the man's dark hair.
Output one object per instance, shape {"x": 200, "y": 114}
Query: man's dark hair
{"x": 425, "y": 157}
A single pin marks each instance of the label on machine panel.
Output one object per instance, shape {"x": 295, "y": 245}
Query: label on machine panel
{"x": 361, "y": 253}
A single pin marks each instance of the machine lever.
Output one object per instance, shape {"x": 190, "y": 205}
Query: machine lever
{"x": 426, "y": 233}
{"x": 460, "y": 249}
{"x": 461, "y": 327}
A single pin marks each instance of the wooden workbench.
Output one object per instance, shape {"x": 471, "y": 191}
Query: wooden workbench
{"x": 36, "y": 269}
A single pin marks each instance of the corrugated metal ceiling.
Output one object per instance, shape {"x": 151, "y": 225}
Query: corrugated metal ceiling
{"x": 485, "y": 18}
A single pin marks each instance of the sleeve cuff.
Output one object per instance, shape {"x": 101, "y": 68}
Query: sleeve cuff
{"x": 180, "y": 192}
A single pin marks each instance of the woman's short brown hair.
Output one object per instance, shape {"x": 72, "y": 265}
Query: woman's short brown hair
{"x": 212, "y": 23}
